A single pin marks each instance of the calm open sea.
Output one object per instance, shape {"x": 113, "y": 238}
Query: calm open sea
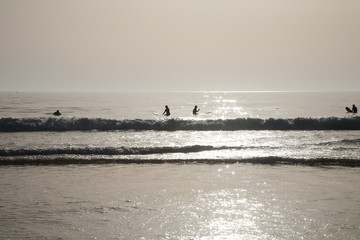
{"x": 250, "y": 165}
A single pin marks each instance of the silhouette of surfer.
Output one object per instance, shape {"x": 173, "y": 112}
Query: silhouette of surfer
{"x": 196, "y": 110}
{"x": 353, "y": 110}
{"x": 57, "y": 113}
{"x": 167, "y": 111}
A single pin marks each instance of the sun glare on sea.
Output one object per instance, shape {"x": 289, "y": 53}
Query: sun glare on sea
{"x": 230, "y": 213}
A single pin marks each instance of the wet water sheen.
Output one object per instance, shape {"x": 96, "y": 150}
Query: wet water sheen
{"x": 171, "y": 201}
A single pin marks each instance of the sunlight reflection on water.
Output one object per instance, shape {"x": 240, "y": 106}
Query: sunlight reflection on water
{"x": 230, "y": 214}
{"x": 171, "y": 201}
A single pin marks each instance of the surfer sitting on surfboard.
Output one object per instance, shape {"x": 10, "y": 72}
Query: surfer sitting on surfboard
{"x": 353, "y": 110}
{"x": 57, "y": 113}
{"x": 167, "y": 111}
{"x": 196, "y": 110}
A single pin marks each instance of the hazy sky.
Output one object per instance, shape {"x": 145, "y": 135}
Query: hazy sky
{"x": 132, "y": 45}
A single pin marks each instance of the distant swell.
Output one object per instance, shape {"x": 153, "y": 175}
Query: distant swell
{"x": 86, "y": 124}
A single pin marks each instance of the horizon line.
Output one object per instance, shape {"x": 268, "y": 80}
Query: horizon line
{"x": 185, "y": 91}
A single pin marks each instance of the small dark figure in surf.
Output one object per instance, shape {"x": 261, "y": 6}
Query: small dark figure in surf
{"x": 196, "y": 110}
{"x": 167, "y": 111}
{"x": 354, "y": 109}
{"x": 57, "y": 113}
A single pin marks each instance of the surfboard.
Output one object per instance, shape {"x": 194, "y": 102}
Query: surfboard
{"x": 54, "y": 114}
{"x": 348, "y": 110}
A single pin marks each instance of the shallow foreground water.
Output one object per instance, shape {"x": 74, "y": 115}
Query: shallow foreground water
{"x": 172, "y": 201}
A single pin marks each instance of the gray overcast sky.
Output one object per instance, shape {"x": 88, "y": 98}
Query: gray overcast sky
{"x": 157, "y": 45}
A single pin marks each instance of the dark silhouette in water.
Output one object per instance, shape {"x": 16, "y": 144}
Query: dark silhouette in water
{"x": 167, "y": 111}
{"x": 57, "y": 113}
{"x": 196, "y": 110}
{"x": 353, "y": 110}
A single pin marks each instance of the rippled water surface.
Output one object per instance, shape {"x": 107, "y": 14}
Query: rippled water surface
{"x": 171, "y": 201}
{"x": 213, "y": 105}
{"x": 59, "y": 180}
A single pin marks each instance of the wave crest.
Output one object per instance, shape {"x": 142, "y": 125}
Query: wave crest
{"x": 87, "y": 124}
{"x": 270, "y": 160}
{"x": 110, "y": 151}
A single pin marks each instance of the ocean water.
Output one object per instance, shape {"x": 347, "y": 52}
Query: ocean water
{"x": 263, "y": 127}
{"x": 250, "y": 165}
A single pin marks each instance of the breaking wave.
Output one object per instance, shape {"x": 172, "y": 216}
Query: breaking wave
{"x": 270, "y": 160}
{"x": 153, "y": 155}
{"x": 112, "y": 151}
{"x": 88, "y": 124}
{"x": 347, "y": 142}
